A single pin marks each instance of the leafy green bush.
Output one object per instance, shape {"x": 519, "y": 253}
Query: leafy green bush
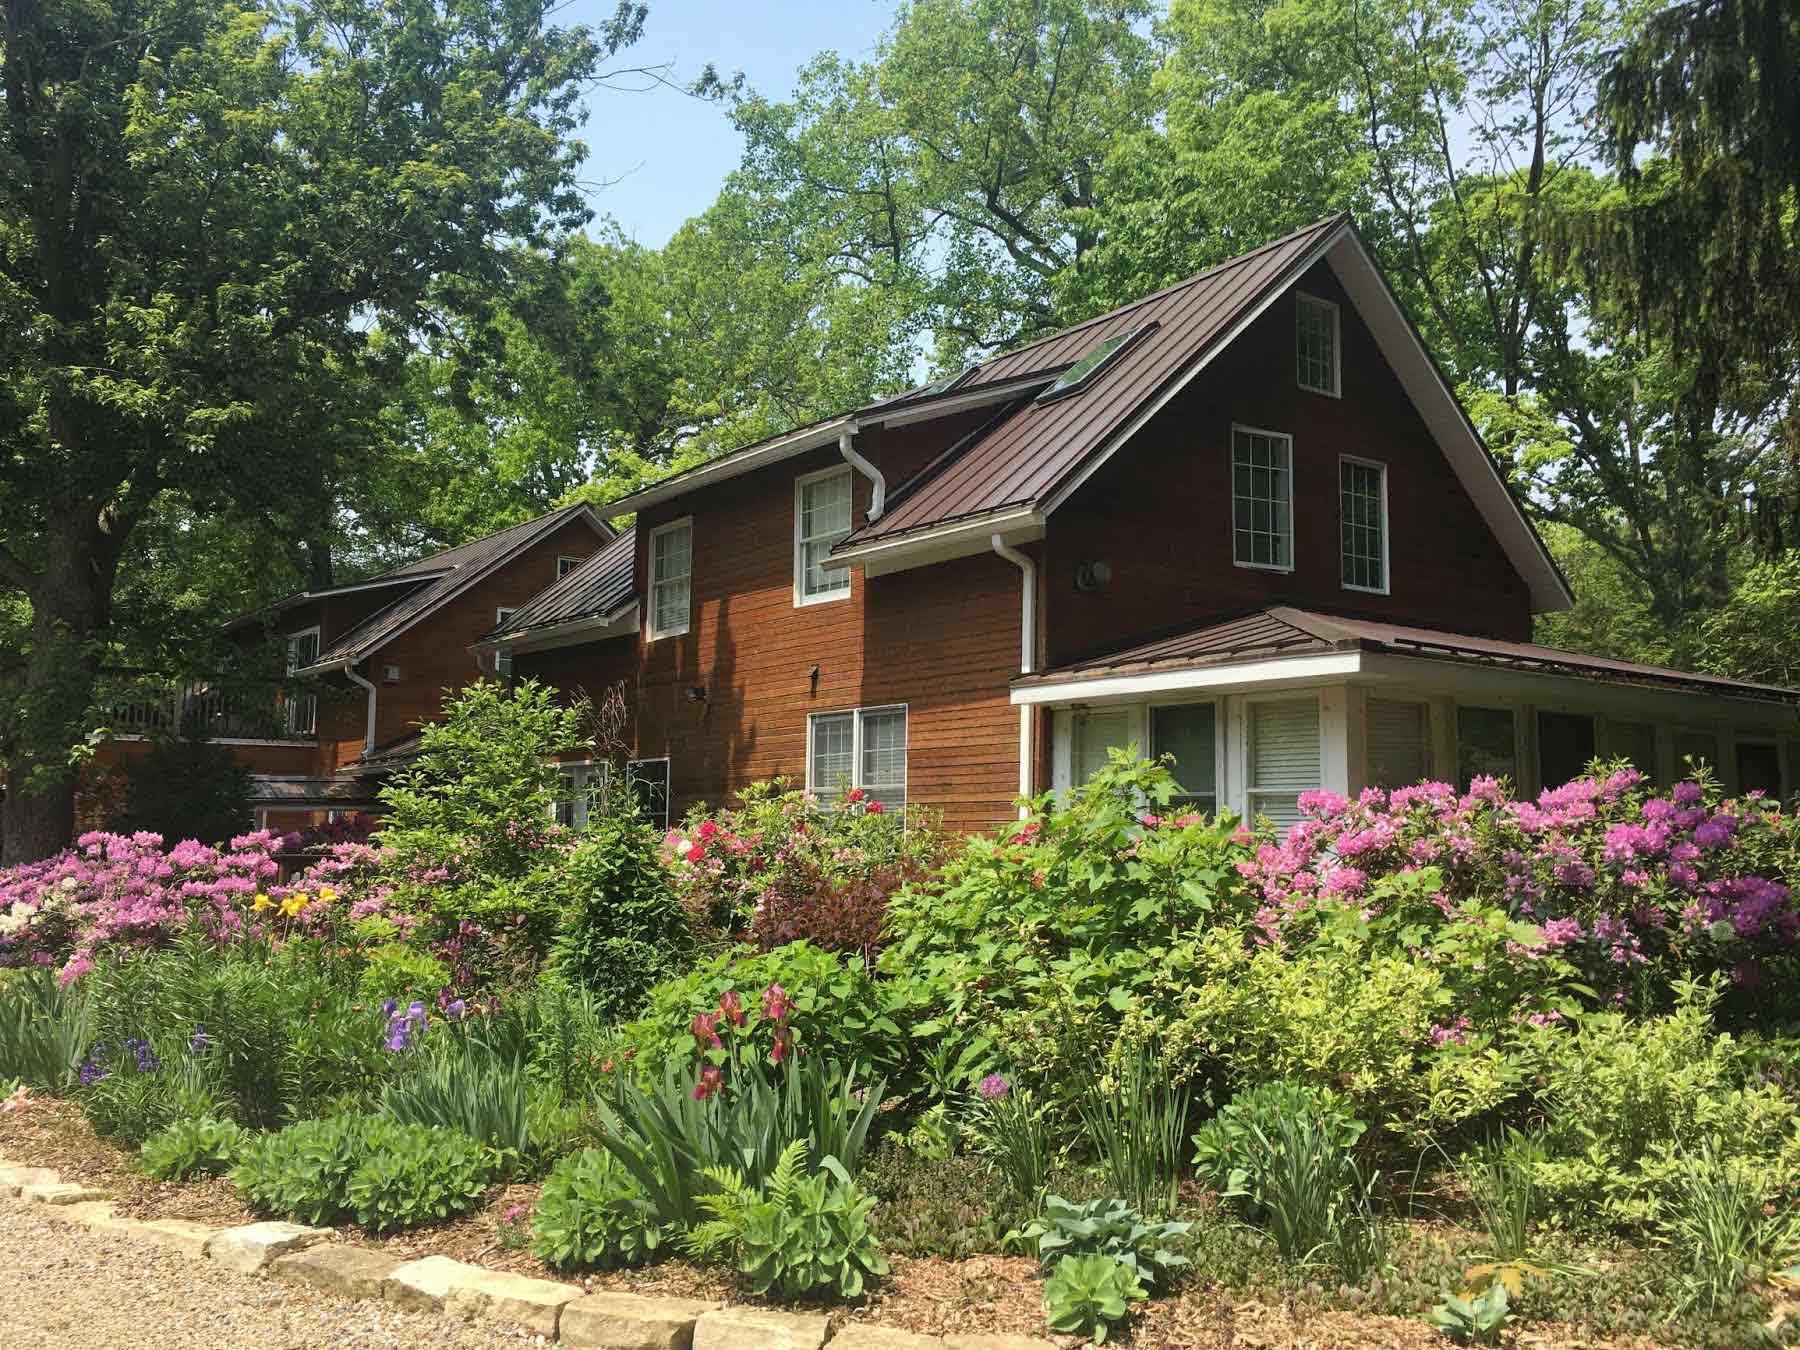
{"x": 1317, "y": 1201}
{"x": 1234, "y": 1152}
{"x": 1136, "y": 1119}
{"x": 1085, "y": 1295}
{"x": 303, "y": 1172}
{"x": 622, "y": 928}
{"x": 936, "y": 1206}
{"x": 591, "y": 1215}
{"x": 129, "y": 1093}
{"x": 194, "y": 1147}
{"x": 400, "y": 972}
{"x": 411, "y": 1175}
{"x": 186, "y": 788}
{"x": 796, "y": 1233}
{"x": 1109, "y": 1228}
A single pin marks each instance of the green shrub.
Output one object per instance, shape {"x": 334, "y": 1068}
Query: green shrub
{"x": 1136, "y": 1120}
{"x": 622, "y": 928}
{"x": 303, "y": 1172}
{"x": 457, "y": 1080}
{"x": 936, "y": 1206}
{"x": 1234, "y": 1153}
{"x": 1713, "y": 1220}
{"x": 402, "y": 973}
{"x": 591, "y": 1215}
{"x": 186, "y": 788}
{"x": 1109, "y": 1228}
{"x": 795, "y": 1234}
{"x": 45, "y": 1028}
{"x": 1477, "y": 1319}
{"x": 130, "y": 1094}
{"x": 411, "y": 1175}
{"x": 194, "y": 1147}
{"x": 1085, "y": 1295}
{"x": 1317, "y": 1201}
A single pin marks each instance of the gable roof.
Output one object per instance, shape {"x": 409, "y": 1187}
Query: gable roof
{"x": 1282, "y": 631}
{"x": 444, "y": 576}
{"x": 599, "y": 586}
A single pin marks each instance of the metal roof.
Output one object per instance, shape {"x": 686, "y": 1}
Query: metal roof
{"x": 445, "y": 575}
{"x": 1024, "y": 458}
{"x": 280, "y": 790}
{"x": 600, "y": 585}
{"x": 1281, "y": 630}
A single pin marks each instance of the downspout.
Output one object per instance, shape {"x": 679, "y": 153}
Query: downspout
{"x": 369, "y": 732}
{"x": 1027, "y": 650}
{"x": 854, "y": 458}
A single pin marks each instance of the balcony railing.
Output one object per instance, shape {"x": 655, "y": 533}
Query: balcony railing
{"x": 219, "y": 714}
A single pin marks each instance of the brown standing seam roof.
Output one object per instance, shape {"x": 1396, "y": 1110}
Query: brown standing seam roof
{"x": 600, "y": 585}
{"x": 1284, "y": 631}
{"x": 1028, "y": 455}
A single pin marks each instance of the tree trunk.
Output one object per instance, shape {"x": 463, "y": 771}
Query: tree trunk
{"x": 70, "y": 603}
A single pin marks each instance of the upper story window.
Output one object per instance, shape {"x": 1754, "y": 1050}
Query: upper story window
{"x": 671, "y": 578}
{"x": 1262, "y": 499}
{"x": 503, "y": 666}
{"x": 300, "y": 712}
{"x": 1362, "y": 505}
{"x": 821, "y": 520}
{"x": 565, "y": 565}
{"x": 1316, "y": 344}
{"x": 864, "y": 748}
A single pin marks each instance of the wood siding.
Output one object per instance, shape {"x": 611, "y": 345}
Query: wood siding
{"x": 1159, "y": 514}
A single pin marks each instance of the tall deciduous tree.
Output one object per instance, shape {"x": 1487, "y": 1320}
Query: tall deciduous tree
{"x": 205, "y": 212}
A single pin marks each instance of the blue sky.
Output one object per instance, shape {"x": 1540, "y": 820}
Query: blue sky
{"x": 657, "y": 156}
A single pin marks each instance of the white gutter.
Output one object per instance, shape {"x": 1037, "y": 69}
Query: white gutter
{"x": 369, "y": 732}
{"x": 847, "y": 448}
{"x": 1027, "y": 650}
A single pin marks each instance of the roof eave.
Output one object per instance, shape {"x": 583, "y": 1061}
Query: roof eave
{"x": 941, "y": 542}
{"x": 615, "y": 622}
{"x": 732, "y": 465}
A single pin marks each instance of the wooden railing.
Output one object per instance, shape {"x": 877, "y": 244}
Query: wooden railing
{"x": 201, "y": 709}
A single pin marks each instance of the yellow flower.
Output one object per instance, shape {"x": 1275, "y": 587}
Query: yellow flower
{"x": 262, "y": 902}
{"x": 293, "y": 905}
{"x": 326, "y": 894}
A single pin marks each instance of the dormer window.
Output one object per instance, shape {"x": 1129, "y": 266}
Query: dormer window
{"x": 821, "y": 520}
{"x": 1316, "y": 344}
{"x": 565, "y": 565}
{"x": 671, "y": 578}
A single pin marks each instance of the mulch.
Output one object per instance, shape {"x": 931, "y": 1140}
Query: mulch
{"x": 991, "y": 1295}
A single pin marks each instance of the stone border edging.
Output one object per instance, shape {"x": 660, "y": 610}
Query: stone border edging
{"x": 565, "y": 1313}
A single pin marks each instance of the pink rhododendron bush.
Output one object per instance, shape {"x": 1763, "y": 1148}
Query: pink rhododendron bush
{"x": 115, "y": 891}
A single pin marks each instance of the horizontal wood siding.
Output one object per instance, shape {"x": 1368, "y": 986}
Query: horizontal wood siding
{"x": 1160, "y": 512}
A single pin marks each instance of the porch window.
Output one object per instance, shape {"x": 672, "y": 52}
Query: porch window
{"x": 1094, "y": 734}
{"x": 1189, "y": 732}
{"x": 1362, "y": 509}
{"x": 579, "y": 784}
{"x": 1399, "y": 742}
{"x": 821, "y": 520}
{"x": 301, "y": 713}
{"x": 1634, "y": 741}
{"x": 671, "y": 576}
{"x": 1565, "y": 747}
{"x": 1700, "y": 746}
{"x": 1262, "y": 499}
{"x": 1759, "y": 766}
{"x": 1316, "y": 344}
{"x": 648, "y": 782}
{"x": 862, "y": 748}
{"x": 1485, "y": 745}
{"x": 1284, "y": 757}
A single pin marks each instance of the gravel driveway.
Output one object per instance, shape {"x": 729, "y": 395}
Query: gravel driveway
{"x": 65, "y": 1285}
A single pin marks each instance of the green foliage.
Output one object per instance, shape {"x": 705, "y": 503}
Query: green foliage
{"x": 131, "y": 1102}
{"x": 938, "y": 1206}
{"x": 798, "y": 1232}
{"x": 412, "y": 1175}
{"x": 1474, "y": 1320}
{"x": 591, "y": 1214}
{"x": 397, "y": 971}
{"x": 622, "y": 930}
{"x": 570, "y": 1038}
{"x": 1501, "y": 1179}
{"x": 303, "y": 1172}
{"x": 1085, "y": 1295}
{"x": 187, "y": 788}
{"x": 1713, "y": 1218}
{"x": 1012, "y": 1133}
{"x": 1233, "y": 1153}
{"x": 458, "y": 1080}
{"x": 45, "y": 1028}
{"x": 1109, "y": 1228}
{"x": 1317, "y": 1201}
{"x": 193, "y": 1147}
{"x": 1136, "y": 1120}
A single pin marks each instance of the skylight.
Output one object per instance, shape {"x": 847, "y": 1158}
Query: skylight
{"x": 1097, "y": 358}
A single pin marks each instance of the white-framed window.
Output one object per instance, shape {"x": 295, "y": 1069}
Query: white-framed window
{"x": 858, "y": 748}
{"x": 1316, "y": 364}
{"x": 648, "y": 782}
{"x": 1362, "y": 507}
{"x": 821, "y": 519}
{"x": 671, "y": 578}
{"x": 1487, "y": 745}
{"x": 578, "y": 785}
{"x": 300, "y": 712}
{"x": 566, "y": 565}
{"x": 1262, "y": 499}
{"x": 1095, "y": 732}
{"x": 1397, "y": 736}
{"x": 1190, "y": 732}
{"x": 1284, "y": 758}
{"x": 503, "y": 666}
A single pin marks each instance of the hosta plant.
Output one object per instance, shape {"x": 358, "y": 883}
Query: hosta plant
{"x": 1108, "y": 1228}
{"x": 413, "y": 1175}
{"x": 592, "y": 1214}
{"x": 800, "y": 1233}
{"x": 196, "y": 1147}
{"x": 1474, "y": 1319}
{"x": 1085, "y": 1295}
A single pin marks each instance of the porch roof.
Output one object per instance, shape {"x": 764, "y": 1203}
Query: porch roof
{"x": 298, "y": 792}
{"x": 1280, "y": 633}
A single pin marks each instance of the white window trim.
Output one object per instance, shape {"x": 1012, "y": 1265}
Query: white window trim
{"x": 1301, "y": 300}
{"x": 291, "y": 718}
{"x": 631, "y": 765}
{"x": 502, "y": 655}
{"x": 1155, "y": 751}
{"x": 651, "y": 631}
{"x": 801, "y": 598}
{"x": 856, "y": 716}
{"x": 575, "y": 768}
{"x": 1251, "y": 790}
{"x": 573, "y": 563}
{"x": 1387, "y": 574}
{"x": 1293, "y": 532}
{"x": 300, "y": 633}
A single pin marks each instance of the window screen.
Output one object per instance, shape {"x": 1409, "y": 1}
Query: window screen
{"x": 1399, "y": 742}
{"x": 823, "y": 505}
{"x": 1362, "y": 507}
{"x": 864, "y": 748}
{"x": 1316, "y": 345}
{"x": 671, "y": 570}
{"x": 1635, "y": 741}
{"x": 1095, "y": 734}
{"x": 1190, "y": 734}
{"x": 1565, "y": 746}
{"x": 1759, "y": 766}
{"x": 1284, "y": 757}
